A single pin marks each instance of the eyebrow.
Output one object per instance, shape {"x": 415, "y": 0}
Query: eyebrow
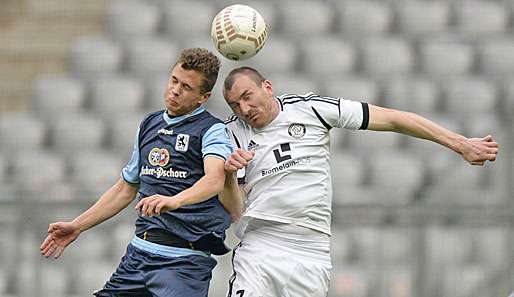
{"x": 185, "y": 84}
{"x": 244, "y": 94}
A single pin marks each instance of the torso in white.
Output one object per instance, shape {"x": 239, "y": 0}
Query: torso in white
{"x": 288, "y": 181}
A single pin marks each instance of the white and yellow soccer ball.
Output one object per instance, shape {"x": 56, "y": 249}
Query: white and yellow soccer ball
{"x": 238, "y": 32}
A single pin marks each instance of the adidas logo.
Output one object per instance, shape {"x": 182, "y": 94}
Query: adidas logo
{"x": 252, "y": 145}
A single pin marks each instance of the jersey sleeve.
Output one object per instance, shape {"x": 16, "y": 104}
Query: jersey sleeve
{"x": 130, "y": 173}
{"x": 236, "y": 136}
{"x": 340, "y": 113}
{"x": 216, "y": 142}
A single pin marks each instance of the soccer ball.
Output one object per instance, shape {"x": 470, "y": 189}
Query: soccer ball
{"x": 238, "y": 32}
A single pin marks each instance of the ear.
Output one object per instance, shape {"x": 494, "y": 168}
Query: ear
{"x": 268, "y": 87}
{"x": 204, "y": 97}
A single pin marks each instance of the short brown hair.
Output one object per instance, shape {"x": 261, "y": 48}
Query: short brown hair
{"x": 253, "y": 74}
{"x": 203, "y": 61}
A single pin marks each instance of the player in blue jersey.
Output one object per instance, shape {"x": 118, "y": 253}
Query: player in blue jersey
{"x": 177, "y": 167}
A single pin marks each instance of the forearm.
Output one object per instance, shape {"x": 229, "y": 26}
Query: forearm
{"x": 110, "y": 203}
{"x": 231, "y": 197}
{"x": 420, "y": 127}
{"x": 205, "y": 188}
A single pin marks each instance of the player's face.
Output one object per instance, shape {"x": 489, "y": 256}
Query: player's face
{"x": 183, "y": 93}
{"x": 251, "y": 102}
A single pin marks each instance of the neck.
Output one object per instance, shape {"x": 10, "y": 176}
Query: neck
{"x": 275, "y": 110}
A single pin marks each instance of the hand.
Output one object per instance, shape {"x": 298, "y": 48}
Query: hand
{"x": 479, "y": 150}
{"x": 60, "y": 235}
{"x": 238, "y": 160}
{"x": 155, "y": 204}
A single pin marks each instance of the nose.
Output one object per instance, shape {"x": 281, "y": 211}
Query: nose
{"x": 245, "y": 108}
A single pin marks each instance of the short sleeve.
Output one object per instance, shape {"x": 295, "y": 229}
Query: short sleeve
{"x": 216, "y": 142}
{"x": 340, "y": 113}
{"x": 130, "y": 173}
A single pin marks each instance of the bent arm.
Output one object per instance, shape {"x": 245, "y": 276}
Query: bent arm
{"x": 232, "y": 197}
{"x": 110, "y": 203}
{"x": 211, "y": 184}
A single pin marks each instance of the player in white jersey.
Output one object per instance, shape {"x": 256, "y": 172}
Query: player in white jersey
{"x": 282, "y": 165}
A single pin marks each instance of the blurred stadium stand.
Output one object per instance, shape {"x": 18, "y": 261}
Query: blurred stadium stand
{"x": 411, "y": 219}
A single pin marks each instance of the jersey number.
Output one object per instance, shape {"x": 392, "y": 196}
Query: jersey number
{"x": 240, "y": 293}
{"x": 281, "y": 153}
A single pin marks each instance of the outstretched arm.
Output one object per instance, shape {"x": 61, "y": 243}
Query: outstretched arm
{"x": 61, "y": 234}
{"x": 474, "y": 150}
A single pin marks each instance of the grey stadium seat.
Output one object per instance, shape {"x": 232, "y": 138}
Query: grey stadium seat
{"x": 79, "y": 131}
{"x": 279, "y": 54}
{"x": 480, "y": 18}
{"x": 492, "y": 247}
{"x": 386, "y": 55}
{"x": 93, "y": 275}
{"x": 114, "y": 94}
{"x": 94, "y": 55}
{"x": 148, "y": 56}
{"x": 351, "y": 280}
{"x": 55, "y": 279}
{"x": 178, "y": 23}
{"x": 468, "y": 95}
{"x": 442, "y": 58}
{"x": 509, "y": 95}
{"x": 415, "y": 94}
{"x": 364, "y": 18}
{"x": 155, "y": 90}
{"x": 392, "y": 170}
{"x": 328, "y": 55}
{"x": 3, "y": 169}
{"x": 417, "y": 17}
{"x": 21, "y": 130}
{"x": 497, "y": 57}
{"x": 96, "y": 170}
{"x": 399, "y": 280}
{"x": 37, "y": 170}
{"x": 128, "y": 19}
{"x": 122, "y": 132}
{"x": 289, "y": 83}
{"x": 352, "y": 88}
{"x": 305, "y": 19}
{"x": 51, "y": 94}
{"x": 371, "y": 141}
{"x": 347, "y": 169}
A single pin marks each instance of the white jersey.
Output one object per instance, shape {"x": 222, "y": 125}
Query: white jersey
{"x": 289, "y": 180}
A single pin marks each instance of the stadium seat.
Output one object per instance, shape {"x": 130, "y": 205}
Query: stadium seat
{"x": 408, "y": 93}
{"x": 397, "y": 281}
{"x": 365, "y": 243}
{"x": 122, "y": 132}
{"x": 178, "y": 26}
{"x": 95, "y": 55}
{"x": 470, "y": 95}
{"x": 352, "y": 88}
{"x": 341, "y": 248}
{"x": 346, "y": 170}
{"x": 95, "y": 171}
{"x": 3, "y": 168}
{"x": 55, "y": 279}
{"x": 279, "y": 54}
{"x": 480, "y": 18}
{"x": 289, "y": 83}
{"x": 51, "y": 94}
{"x": 328, "y": 55}
{"x": 155, "y": 90}
{"x": 149, "y": 55}
{"x": 352, "y": 281}
{"x": 78, "y": 131}
{"x": 497, "y": 57}
{"x": 508, "y": 88}
{"x": 116, "y": 94}
{"x": 448, "y": 246}
{"x": 93, "y": 276}
{"x": 302, "y": 18}
{"x": 21, "y": 130}
{"x": 464, "y": 281}
{"x": 444, "y": 58}
{"x": 396, "y": 246}
{"x": 365, "y": 142}
{"x": 393, "y": 170}
{"x": 37, "y": 170}
{"x": 8, "y": 191}
{"x": 419, "y": 18}
{"x": 133, "y": 18}
{"x": 384, "y": 56}
{"x": 364, "y": 18}
{"x": 492, "y": 247}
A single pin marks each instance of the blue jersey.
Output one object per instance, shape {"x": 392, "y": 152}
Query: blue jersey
{"x": 167, "y": 159}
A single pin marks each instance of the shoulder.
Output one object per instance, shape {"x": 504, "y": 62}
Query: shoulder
{"x": 305, "y": 101}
